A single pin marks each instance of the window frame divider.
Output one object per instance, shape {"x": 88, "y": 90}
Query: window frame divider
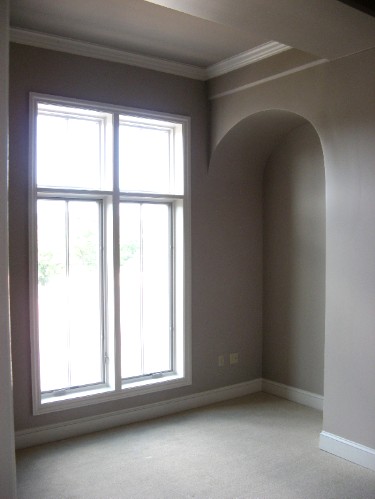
{"x": 114, "y": 387}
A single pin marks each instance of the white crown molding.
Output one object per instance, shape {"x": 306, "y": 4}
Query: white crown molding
{"x": 245, "y": 58}
{"x": 347, "y": 449}
{"x": 302, "y": 397}
{"x": 87, "y": 49}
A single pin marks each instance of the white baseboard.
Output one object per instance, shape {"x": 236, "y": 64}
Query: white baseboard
{"x": 294, "y": 394}
{"x": 351, "y": 451}
{"x": 60, "y": 431}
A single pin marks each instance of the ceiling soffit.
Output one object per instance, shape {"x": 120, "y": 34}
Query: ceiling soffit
{"x": 339, "y": 31}
{"x": 76, "y": 47}
{"x": 328, "y": 29}
{"x": 135, "y": 26}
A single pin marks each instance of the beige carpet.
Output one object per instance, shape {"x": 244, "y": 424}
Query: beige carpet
{"x": 257, "y": 446}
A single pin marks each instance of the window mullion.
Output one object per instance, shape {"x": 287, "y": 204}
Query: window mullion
{"x": 88, "y": 172}
{"x": 116, "y": 253}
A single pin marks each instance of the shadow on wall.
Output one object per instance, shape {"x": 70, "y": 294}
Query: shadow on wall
{"x": 277, "y": 160}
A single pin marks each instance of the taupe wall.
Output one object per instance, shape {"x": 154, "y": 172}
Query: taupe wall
{"x": 7, "y": 457}
{"x": 222, "y": 320}
{"x": 294, "y": 262}
{"x": 278, "y": 161}
{"x": 338, "y": 99}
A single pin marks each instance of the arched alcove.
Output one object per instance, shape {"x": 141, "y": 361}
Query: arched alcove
{"x": 275, "y": 159}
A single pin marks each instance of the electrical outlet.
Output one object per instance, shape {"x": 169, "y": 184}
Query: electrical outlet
{"x": 233, "y": 358}
{"x": 220, "y": 361}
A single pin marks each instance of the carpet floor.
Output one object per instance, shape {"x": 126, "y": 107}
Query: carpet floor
{"x": 255, "y": 447}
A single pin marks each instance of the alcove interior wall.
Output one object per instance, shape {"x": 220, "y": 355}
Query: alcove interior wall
{"x": 294, "y": 262}
{"x": 275, "y": 159}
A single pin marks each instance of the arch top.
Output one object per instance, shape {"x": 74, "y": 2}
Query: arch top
{"x": 255, "y": 136}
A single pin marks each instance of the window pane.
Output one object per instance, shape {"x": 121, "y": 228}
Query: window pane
{"x": 144, "y": 159}
{"x": 68, "y": 151}
{"x": 145, "y": 288}
{"x": 130, "y": 289}
{"x": 69, "y": 296}
{"x": 52, "y": 296}
{"x": 85, "y": 297}
{"x": 156, "y": 287}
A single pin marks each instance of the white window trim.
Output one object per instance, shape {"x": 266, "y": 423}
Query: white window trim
{"x": 117, "y": 390}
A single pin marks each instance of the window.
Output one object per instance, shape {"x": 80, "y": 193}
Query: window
{"x": 109, "y": 252}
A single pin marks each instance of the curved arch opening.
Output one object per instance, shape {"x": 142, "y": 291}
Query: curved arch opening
{"x": 275, "y": 158}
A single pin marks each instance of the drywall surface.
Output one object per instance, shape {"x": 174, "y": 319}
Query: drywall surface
{"x": 222, "y": 321}
{"x": 341, "y": 31}
{"x": 7, "y": 455}
{"x": 259, "y": 71}
{"x": 294, "y": 262}
{"x": 338, "y": 98}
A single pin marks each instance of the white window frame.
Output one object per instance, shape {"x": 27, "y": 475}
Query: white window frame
{"x": 115, "y": 388}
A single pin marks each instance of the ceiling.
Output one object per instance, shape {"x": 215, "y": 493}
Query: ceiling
{"x": 200, "y": 33}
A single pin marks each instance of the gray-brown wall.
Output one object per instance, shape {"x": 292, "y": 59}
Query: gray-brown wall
{"x": 7, "y": 454}
{"x": 338, "y": 98}
{"x": 277, "y": 159}
{"x": 294, "y": 262}
{"x": 221, "y": 272}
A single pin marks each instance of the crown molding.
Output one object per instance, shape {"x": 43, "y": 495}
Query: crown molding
{"x": 88, "y": 49}
{"x": 62, "y": 44}
{"x": 245, "y": 58}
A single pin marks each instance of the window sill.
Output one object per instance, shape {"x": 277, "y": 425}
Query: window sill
{"x": 107, "y": 394}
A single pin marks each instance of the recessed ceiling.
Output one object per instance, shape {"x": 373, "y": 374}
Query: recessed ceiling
{"x": 135, "y": 26}
{"x": 326, "y": 28}
{"x": 201, "y": 32}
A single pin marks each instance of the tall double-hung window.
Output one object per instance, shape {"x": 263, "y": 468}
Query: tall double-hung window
{"x": 109, "y": 252}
